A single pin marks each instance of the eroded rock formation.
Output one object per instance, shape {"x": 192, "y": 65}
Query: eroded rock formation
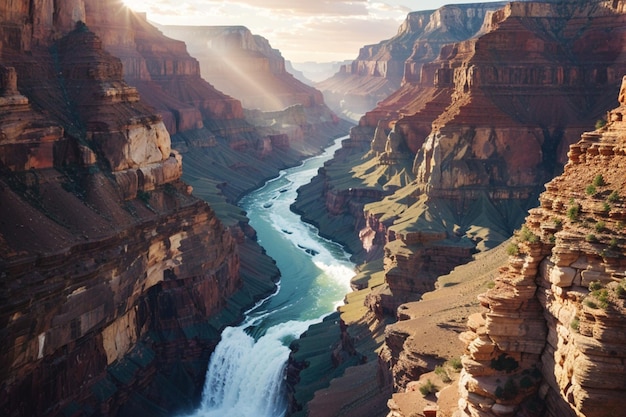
{"x": 112, "y": 274}
{"x": 551, "y": 332}
{"x": 245, "y": 66}
{"x": 381, "y": 69}
{"x": 458, "y": 157}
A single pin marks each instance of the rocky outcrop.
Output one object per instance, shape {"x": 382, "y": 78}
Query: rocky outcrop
{"x": 245, "y": 66}
{"x": 381, "y": 69}
{"x": 549, "y": 334}
{"x": 167, "y": 77}
{"x": 114, "y": 280}
{"x": 462, "y": 155}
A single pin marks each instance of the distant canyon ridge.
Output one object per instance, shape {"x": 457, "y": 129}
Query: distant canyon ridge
{"x": 123, "y": 255}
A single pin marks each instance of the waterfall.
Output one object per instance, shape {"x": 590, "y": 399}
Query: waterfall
{"x": 246, "y": 373}
{"x": 245, "y": 377}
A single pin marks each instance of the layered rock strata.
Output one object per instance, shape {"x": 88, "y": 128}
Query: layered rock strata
{"x": 550, "y": 334}
{"x": 245, "y": 66}
{"x": 463, "y": 154}
{"x": 115, "y": 281}
{"x": 379, "y": 70}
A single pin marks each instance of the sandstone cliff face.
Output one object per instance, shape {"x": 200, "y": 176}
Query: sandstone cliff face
{"x": 245, "y": 66}
{"x": 381, "y": 69}
{"x": 109, "y": 268}
{"x": 551, "y": 333}
{"x": 462, "y": 155}
{"x": 167, "y": 77}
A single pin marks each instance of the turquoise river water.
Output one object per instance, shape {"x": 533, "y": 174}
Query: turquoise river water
{"x": 246, "y": 372}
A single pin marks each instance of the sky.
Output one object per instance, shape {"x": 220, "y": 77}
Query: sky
{"x": 303, "y": 30}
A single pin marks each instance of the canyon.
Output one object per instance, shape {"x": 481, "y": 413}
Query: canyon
{"x": 124, "y": 256}
{"x": 116, "y": 276}
{"x": 448, "y": 166}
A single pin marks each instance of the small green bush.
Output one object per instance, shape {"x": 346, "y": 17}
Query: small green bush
{"x": 591, "y": 238}
{"x": 613, "y": 243}
{"x": 526, "y": 235}
{"x": 598, "y": 180}
{"x": 525, "y": 382}
{"x": 428, "y": 388}
{"x": 600, "y": 225}
{"x": 456, "y": 364}
{"x": 591, "y": 189}
{"x": 504, "y": 363}
{"x": 573, "y": 212}
{"x": 606, "y": 207}
{"x": 600, "y": 123}
{"x": 595, "y": 286}
{"x": 441, "y": 372}
{"x": 613, "y": 197}
{"x": 143, "y": 196}
{"x": 512, "y": 249}
{"x": 575, "y": 324}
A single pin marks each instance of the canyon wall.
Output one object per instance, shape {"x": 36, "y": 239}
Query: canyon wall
{"x": 550, "y": 333}
{"x": 379, "y": 70}
{"x": 245, "y": 66}
{"x": 115, "y": 281}
{"x": 449, "y": 165}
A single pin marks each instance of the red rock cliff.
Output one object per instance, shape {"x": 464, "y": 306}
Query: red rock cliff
{"x": 381, "y": 69}
{"x": 245, "y": 66}
{"x": 109, "y": 268}
{"x": 551, "y": 331}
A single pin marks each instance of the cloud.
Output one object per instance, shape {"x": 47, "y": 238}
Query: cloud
{"x": 301, "y": 29}
{"x": 310, "y": 7}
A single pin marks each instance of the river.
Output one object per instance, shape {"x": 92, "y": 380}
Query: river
{"x": 245, "y": 377}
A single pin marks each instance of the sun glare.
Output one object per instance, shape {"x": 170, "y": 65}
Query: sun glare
{"x": 136, "y": 5}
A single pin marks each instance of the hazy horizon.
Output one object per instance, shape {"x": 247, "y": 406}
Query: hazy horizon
{"x": 303, "y": 30}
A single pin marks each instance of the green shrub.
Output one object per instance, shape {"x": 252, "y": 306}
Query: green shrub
{"x": 456, "y": 364}
{"x": 441, "y": 372}
{"x": 613, "y": 243}
{"x": 606, "y": 207}
{"x": 504, "y": 363}
{"x": 600, "y": 225}
{"x": 591, "y": 304}
{"x": 573, "y": 212}
{"x": 512, "y": 249}
{"x": 509, "y": 391}
{"x": 526, "y": 235}
{"x": 595, "y": 286}
{"x": 526, "y": 382}
{"x": 143, "y": 196}
{"x": 613, "y": 197}
{"x": 575, "y": 324}
{"x": 598, "y": 180}
{"x": 600, "y": 123}
{"x": 591, "y": 189}
{"x": 428, "y": 388}
{"x": 591, "y": 238}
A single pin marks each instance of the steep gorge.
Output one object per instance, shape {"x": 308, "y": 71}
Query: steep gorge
{"x": 450, "y": 165}
{"x": 380, "y": 70}
{"x": 550, "y": 333}
{"x": 116, "y": 280}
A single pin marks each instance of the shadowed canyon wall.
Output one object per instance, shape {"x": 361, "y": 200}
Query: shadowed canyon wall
{"x": 381, "y": 69}
{"x": 450, "y": 163}
{"x": 550, "y": 333}
{"x": 115, "y": 281}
